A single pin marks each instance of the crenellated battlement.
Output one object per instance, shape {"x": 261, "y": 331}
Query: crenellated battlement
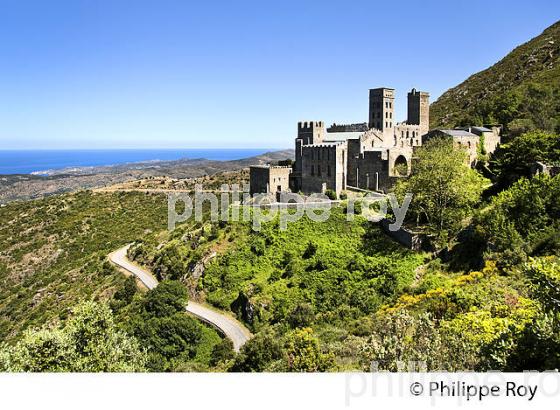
{"x": 310, "y": 125}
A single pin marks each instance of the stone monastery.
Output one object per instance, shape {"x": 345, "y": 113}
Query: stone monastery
{"x": 368, "y": 156}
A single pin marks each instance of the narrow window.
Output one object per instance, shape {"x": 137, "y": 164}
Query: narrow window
{"x": 328, "y": 170}
{"x": 312, "y": 170}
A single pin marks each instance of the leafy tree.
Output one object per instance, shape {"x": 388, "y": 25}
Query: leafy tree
{"x": 124, "y": 295}
{"x": 259, "y": 353}
{"x": 303, "y": 353}
{"x": 514, "y": 159}
{"x": 87, "y": 342}
{"x": 170, "y": 337}
{"x": 222, "y": 352}
{"x": 167, "y": 298}
{"x": 444, "y": 188}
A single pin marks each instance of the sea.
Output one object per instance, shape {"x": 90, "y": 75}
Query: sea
{"x": 41, "y": 161}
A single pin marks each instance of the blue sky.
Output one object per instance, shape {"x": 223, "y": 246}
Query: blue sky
{"x": 237, "y": 74}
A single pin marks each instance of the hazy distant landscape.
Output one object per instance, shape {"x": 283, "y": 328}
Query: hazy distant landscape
{"x": 21, "y": 187}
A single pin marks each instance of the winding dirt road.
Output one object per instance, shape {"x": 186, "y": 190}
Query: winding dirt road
{"x": 227, "y": 325}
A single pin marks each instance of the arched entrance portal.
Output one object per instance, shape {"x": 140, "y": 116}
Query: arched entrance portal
{"x": 400, "y": 168}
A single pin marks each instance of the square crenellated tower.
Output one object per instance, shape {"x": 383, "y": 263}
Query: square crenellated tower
{"x": 311, "y": 132}
{"x": 419, "y": 110}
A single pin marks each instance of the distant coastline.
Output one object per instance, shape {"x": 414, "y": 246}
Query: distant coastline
{"x": 46, "y": 162}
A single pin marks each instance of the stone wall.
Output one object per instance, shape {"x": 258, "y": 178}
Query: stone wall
{"x": 414, "y": 241}
{"x": 268, "y": 178}
{"x": 407, "y": 135}
{"x": 323, "y": 167}
{"x": 374, "y": 168}
{"x": 468, "y": 142}
{"x": 368, "y": 169}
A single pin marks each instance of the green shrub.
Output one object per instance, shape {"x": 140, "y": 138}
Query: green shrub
{"x": 167, "y": 298}
{"x": 330, "y": 194}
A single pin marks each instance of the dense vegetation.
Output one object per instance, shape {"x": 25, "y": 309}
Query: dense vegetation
{"x": 503, "y": 316}
{"x": 515, "y": 159}
{"x": 445, "y": 190}
{"x": 89, "y": 341}
{"x": 328, "y": 277}
{"x": 173, "y": 340}
{"x": 521, "y": 92}
{"x": 54, "y": 252}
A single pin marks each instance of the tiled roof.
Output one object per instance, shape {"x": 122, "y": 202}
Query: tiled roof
{"x": 481, "y": 129}
{"x": 458, "y": 133}
{"x": 341, "y": 136}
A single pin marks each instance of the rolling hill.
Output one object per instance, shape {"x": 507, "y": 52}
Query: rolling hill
{"x": 521, "y": 91}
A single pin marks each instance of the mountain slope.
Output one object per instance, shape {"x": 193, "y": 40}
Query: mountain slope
{"x": 521, "y": 91}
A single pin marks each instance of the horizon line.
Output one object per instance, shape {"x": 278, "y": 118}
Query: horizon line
{"x": 142, "y": 148}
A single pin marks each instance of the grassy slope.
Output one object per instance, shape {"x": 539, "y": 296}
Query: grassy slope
{"x": 353, "y": 272}
{"x": 53, "y": 251}
{"x": 537, "y": 62}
